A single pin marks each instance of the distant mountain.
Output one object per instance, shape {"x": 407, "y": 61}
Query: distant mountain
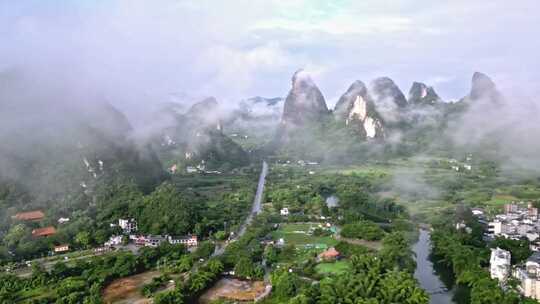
{"x": 257, "y": 108}
{"x": 57, "y": 143}
{"x": 196, "y": 137}
{"x": 267, "y": 101}
{"x": 357, "y": 109}
{"x": 205, "y": 114}
{"x": 384, "y": 90}
{"x": 305, "y": 103}
{"x": 421, "y": 94}
{"x": 482, "y": 87}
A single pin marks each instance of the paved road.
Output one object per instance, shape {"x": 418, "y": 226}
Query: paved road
{"x": 257, "y": 201}
{"x": 256, "y": 208}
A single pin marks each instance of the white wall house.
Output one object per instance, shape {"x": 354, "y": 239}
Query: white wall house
{"x": 495, "y": 228}
{"x": 529, "y": 277}
{"x": 190, "y": 241}
{"x": 128, "y": 225}
{"x": 499, "y": 264}
{"x": 114, "y": 240}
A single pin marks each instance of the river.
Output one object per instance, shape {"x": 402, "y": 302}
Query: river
{"x": 436, "y": 279}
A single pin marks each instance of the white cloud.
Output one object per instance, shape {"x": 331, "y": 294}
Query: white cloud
{"x": 240, "y": 48}
{"x": 341, "y": 25}
{"x": 234, "y": 70}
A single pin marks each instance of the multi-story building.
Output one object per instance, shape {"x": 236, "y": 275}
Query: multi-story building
{"x": 496, "y": 228}
{"x": 154, "y": 240}
{"x": 128, "y": 225}
{"x": 510, "y": 208}
{"x": 531, "y": 211}
{"x": 499, "y": 264}
{"x": 529, "y": 277}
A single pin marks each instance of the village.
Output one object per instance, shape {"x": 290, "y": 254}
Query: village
{"x": 128, "y": 239}
{"x": 518, "y": 222}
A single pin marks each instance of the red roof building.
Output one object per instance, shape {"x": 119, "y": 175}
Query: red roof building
{"x": 331, "y": 253}
{"x": 30, "y": 215}
{"x": 44, "y": 231}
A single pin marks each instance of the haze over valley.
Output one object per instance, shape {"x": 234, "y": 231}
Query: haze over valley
{"x": 269, "y": 151}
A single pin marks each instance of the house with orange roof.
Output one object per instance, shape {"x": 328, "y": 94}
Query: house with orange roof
{"x": 330, "y": 254}
{"x": 35, "y": 215}
{"x": 46, "y": 231}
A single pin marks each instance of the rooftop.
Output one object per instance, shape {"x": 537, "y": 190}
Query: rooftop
{"x": 330, "y": 253}
{"x": 535, "y": 257}
{"x": 44, "y": 231}
{"x": 30, "y": 215}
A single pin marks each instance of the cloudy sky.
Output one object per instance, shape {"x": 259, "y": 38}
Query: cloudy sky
{"x": 141, "y": 52}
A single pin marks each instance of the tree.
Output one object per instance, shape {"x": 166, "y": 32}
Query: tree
{"x": 220, "y": 235}
{"x": 397, "y": 253}
{"x": 15, "y": 234}
{"x": 244, "y": 268}
{"x": 366, "y": 230}
{"x": 299, "y": 299}
{"x": 285, "y": 284}
{"x": 167, "y": 211}
{"x": 169, "y": 297}
{"x": 400, "y": 287}
{"x": 204, "y": 250}
{"x": 215, "y": 266}
{"x": 83, "y": 239}
{"x": 288, "y": 252}
{"x": 184, "y": 264}
{"x": 199, "y": 280}
{"x": 60, "y": 270}
{"x": 519, "y": 249}
{"x": 271, "y": 255}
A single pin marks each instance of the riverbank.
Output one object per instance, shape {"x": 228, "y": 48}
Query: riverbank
{"x": 436, "y": 279}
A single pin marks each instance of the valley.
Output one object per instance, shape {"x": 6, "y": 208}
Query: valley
{"x": 278, "y": 201}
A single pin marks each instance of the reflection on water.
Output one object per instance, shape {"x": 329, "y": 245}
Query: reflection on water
{"x": 434, "y": 277}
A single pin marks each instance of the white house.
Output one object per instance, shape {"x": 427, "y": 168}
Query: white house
{"x": 477, "y": 212}
{"x": 61, "y": 248}
{"x": 529, "y": 277}
{"x": 114, "y": 241}
{"x": 190, "y": 241}
{"x": 153, "y": 240}
{"x": 63, "y": 220}
{"x": 495, "y": 227}
{"x": 128, "y": 225}
{"x": 499, "y": 264}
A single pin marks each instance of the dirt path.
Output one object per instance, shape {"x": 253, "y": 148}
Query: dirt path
{"x": 128, "y": 290}
{"x": 233, "y": 289}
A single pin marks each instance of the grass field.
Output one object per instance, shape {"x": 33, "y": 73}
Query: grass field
{"x": 337, "y": 267}
{"x": 297, "y": 234}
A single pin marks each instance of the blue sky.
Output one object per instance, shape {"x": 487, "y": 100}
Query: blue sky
{"x": 139, "y": 52}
